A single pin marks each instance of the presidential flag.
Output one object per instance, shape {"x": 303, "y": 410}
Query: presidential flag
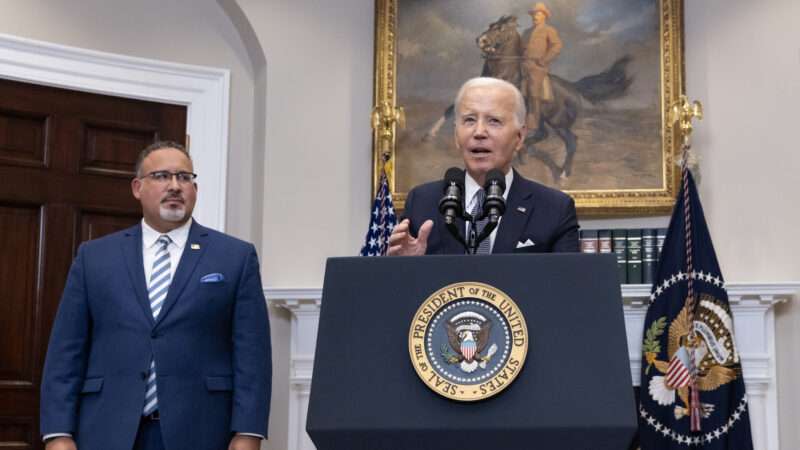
{"x": 382, "y": 221}
{"x": 692, "y": 391}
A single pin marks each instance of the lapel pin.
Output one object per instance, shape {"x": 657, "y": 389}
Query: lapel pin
{"x": 195, "y": 246}
{"x": 521, "y": 209}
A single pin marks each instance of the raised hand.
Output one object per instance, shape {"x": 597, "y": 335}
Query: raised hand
{"x": 401, "y": 243}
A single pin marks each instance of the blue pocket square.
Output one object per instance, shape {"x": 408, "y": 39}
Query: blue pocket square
{"x": 212, "y": 278}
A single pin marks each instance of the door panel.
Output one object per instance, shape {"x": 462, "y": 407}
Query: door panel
{"x": 22, "y": 138}
{"x": 66, "y": 162}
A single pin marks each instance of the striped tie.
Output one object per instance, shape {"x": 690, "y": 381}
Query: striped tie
{"x": 157, "y": 291}
{"x": 477, "y": 209}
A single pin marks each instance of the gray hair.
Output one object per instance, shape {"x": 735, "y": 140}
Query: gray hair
{"x": 519, "y": 101}
{"x": 155, "y": 146}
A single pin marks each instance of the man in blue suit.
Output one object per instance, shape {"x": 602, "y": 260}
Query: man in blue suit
{"x": 161, "y": 340}
{"x": 489, "y": 131}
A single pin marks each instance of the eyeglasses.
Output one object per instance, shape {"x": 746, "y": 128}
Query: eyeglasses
{"x": 165, "y": 176}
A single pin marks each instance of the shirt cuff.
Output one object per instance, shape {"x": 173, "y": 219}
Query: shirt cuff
{"x": 47, "y": 437}
{"x": 250, "y": 434}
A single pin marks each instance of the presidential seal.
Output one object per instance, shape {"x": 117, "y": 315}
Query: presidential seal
{"x": 468, "y": 341}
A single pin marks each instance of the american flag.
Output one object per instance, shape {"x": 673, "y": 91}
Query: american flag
{"x": 681, "y": 370}
{"x": 382, "y": 221}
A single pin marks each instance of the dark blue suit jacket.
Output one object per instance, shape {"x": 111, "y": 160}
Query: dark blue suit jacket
{"x": 545, "y": 216}
{"x": 210, "y": 343}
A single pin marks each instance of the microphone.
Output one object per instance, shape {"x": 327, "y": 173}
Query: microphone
{"x": 494, "y": 205}
{"x": 451, "y": 206}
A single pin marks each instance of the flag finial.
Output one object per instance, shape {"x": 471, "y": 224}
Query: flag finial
{"x": 682, "y": 113}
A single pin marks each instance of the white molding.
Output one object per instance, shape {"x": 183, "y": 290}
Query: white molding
{"x": 203, "y": 90}
{"x": 289, "y": 294}
{"x": 754, "y": 322}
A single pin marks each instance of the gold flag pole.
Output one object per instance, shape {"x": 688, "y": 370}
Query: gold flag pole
{"x": 682, "y": 114}
{"x": 386, "y": 118}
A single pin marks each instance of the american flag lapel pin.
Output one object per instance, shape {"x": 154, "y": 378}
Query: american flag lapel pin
{"x": 521, "y": 209}
{"x": 195, "y": 246}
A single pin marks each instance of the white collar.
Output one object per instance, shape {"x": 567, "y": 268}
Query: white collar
{"x": 471, "y": 187}
{"x": 179, "y": 235}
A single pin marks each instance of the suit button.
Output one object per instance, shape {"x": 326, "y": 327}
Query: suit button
{"x": 153, "y": 335}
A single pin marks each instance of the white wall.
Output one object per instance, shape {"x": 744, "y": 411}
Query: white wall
{"x": 318, "y": 140}
{"x": 316, "y": 190}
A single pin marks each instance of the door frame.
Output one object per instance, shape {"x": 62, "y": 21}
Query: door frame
{"x": 205, "y": 91}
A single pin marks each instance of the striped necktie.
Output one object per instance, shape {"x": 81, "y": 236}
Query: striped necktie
{"x": 157, "y": 291}
{"x": 484, "y": 248}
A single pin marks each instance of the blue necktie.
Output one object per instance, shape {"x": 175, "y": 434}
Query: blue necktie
{"x": 484, "y": 248}
{"x": 157, "y": 291}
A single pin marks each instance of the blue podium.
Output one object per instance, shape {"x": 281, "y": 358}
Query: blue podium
{"x": 573, "y": 391}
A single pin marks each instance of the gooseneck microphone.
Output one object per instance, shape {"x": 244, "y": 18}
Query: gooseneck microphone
{"x": 451, "y": 206}
{"x": 495, "y": 204}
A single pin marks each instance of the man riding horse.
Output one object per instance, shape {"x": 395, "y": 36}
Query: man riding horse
{"x": 542, "y": 47}
{"x": 550, "y": 99}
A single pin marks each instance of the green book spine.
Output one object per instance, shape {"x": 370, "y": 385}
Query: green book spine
{"x": 604, "y": 242}
{"x": 620, "y": 241}
{"x": 588, "y": 241}
{"x": 661, "y": 236}
{"x": 635, "y": 256}
{"x": 649, "y": 255}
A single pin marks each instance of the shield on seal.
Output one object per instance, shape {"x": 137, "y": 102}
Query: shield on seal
{"x": 468, "y": 349}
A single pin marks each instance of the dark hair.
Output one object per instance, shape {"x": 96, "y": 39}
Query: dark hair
{"x": 155, "y": 146}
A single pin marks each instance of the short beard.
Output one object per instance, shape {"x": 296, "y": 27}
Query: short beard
{"x": 172, "y": 214}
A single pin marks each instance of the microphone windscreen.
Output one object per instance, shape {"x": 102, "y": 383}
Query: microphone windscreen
{"x": 495, "y": 175}
{"x": 454, "y": 175}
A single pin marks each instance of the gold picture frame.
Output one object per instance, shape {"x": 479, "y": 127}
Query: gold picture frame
{"x": 596, "y": 193}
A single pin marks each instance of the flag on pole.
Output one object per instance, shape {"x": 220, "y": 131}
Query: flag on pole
{"x": 381, "y": 222}
{"x": 692, "y": 391}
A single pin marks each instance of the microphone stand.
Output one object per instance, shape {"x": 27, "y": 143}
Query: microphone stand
{"x": 452, "y": 227}
{"x": 474, "y": 238}
{"x": 472, "y": 248}
{"x": 470, "y": 243}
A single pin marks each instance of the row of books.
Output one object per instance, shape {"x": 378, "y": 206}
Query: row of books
{"x": 638, "y": 250}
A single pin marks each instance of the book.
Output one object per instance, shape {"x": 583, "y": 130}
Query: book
{"x": 634, "y": 252}
{"x": 620, "y": 241}
{"x": 588, "y": 241}
{"x": 604, "y": 242}
{"x": 661, "y": 235}
{"x": 649, "y": 255}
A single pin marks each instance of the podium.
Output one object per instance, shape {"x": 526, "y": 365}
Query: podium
{"x": 573, "y": 391}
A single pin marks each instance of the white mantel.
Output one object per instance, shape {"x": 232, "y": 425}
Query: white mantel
{"x": 754, "y": 325}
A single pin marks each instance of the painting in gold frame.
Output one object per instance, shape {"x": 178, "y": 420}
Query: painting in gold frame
{"x": 625, "y": 150}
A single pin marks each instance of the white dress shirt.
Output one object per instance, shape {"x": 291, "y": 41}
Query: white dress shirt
{"x": 150, "y": 247}
{"x": 471, "y": 188}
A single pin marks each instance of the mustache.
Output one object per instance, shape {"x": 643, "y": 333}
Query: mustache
{"x": 172, "y": 198}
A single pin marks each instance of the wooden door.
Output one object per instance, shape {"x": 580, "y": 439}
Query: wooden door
{"x": 66, "y": 161}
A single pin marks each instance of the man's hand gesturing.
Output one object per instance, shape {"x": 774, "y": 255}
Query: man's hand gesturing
{"x": 401, "y": 243}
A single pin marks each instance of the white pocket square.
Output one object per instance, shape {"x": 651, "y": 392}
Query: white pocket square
{"x": 527, "y": 243}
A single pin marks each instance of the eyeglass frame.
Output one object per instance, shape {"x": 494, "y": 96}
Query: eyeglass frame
{"x": 177, "y": 175}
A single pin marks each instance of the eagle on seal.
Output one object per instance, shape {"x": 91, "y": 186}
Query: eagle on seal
{"x": 468, "y": 335}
